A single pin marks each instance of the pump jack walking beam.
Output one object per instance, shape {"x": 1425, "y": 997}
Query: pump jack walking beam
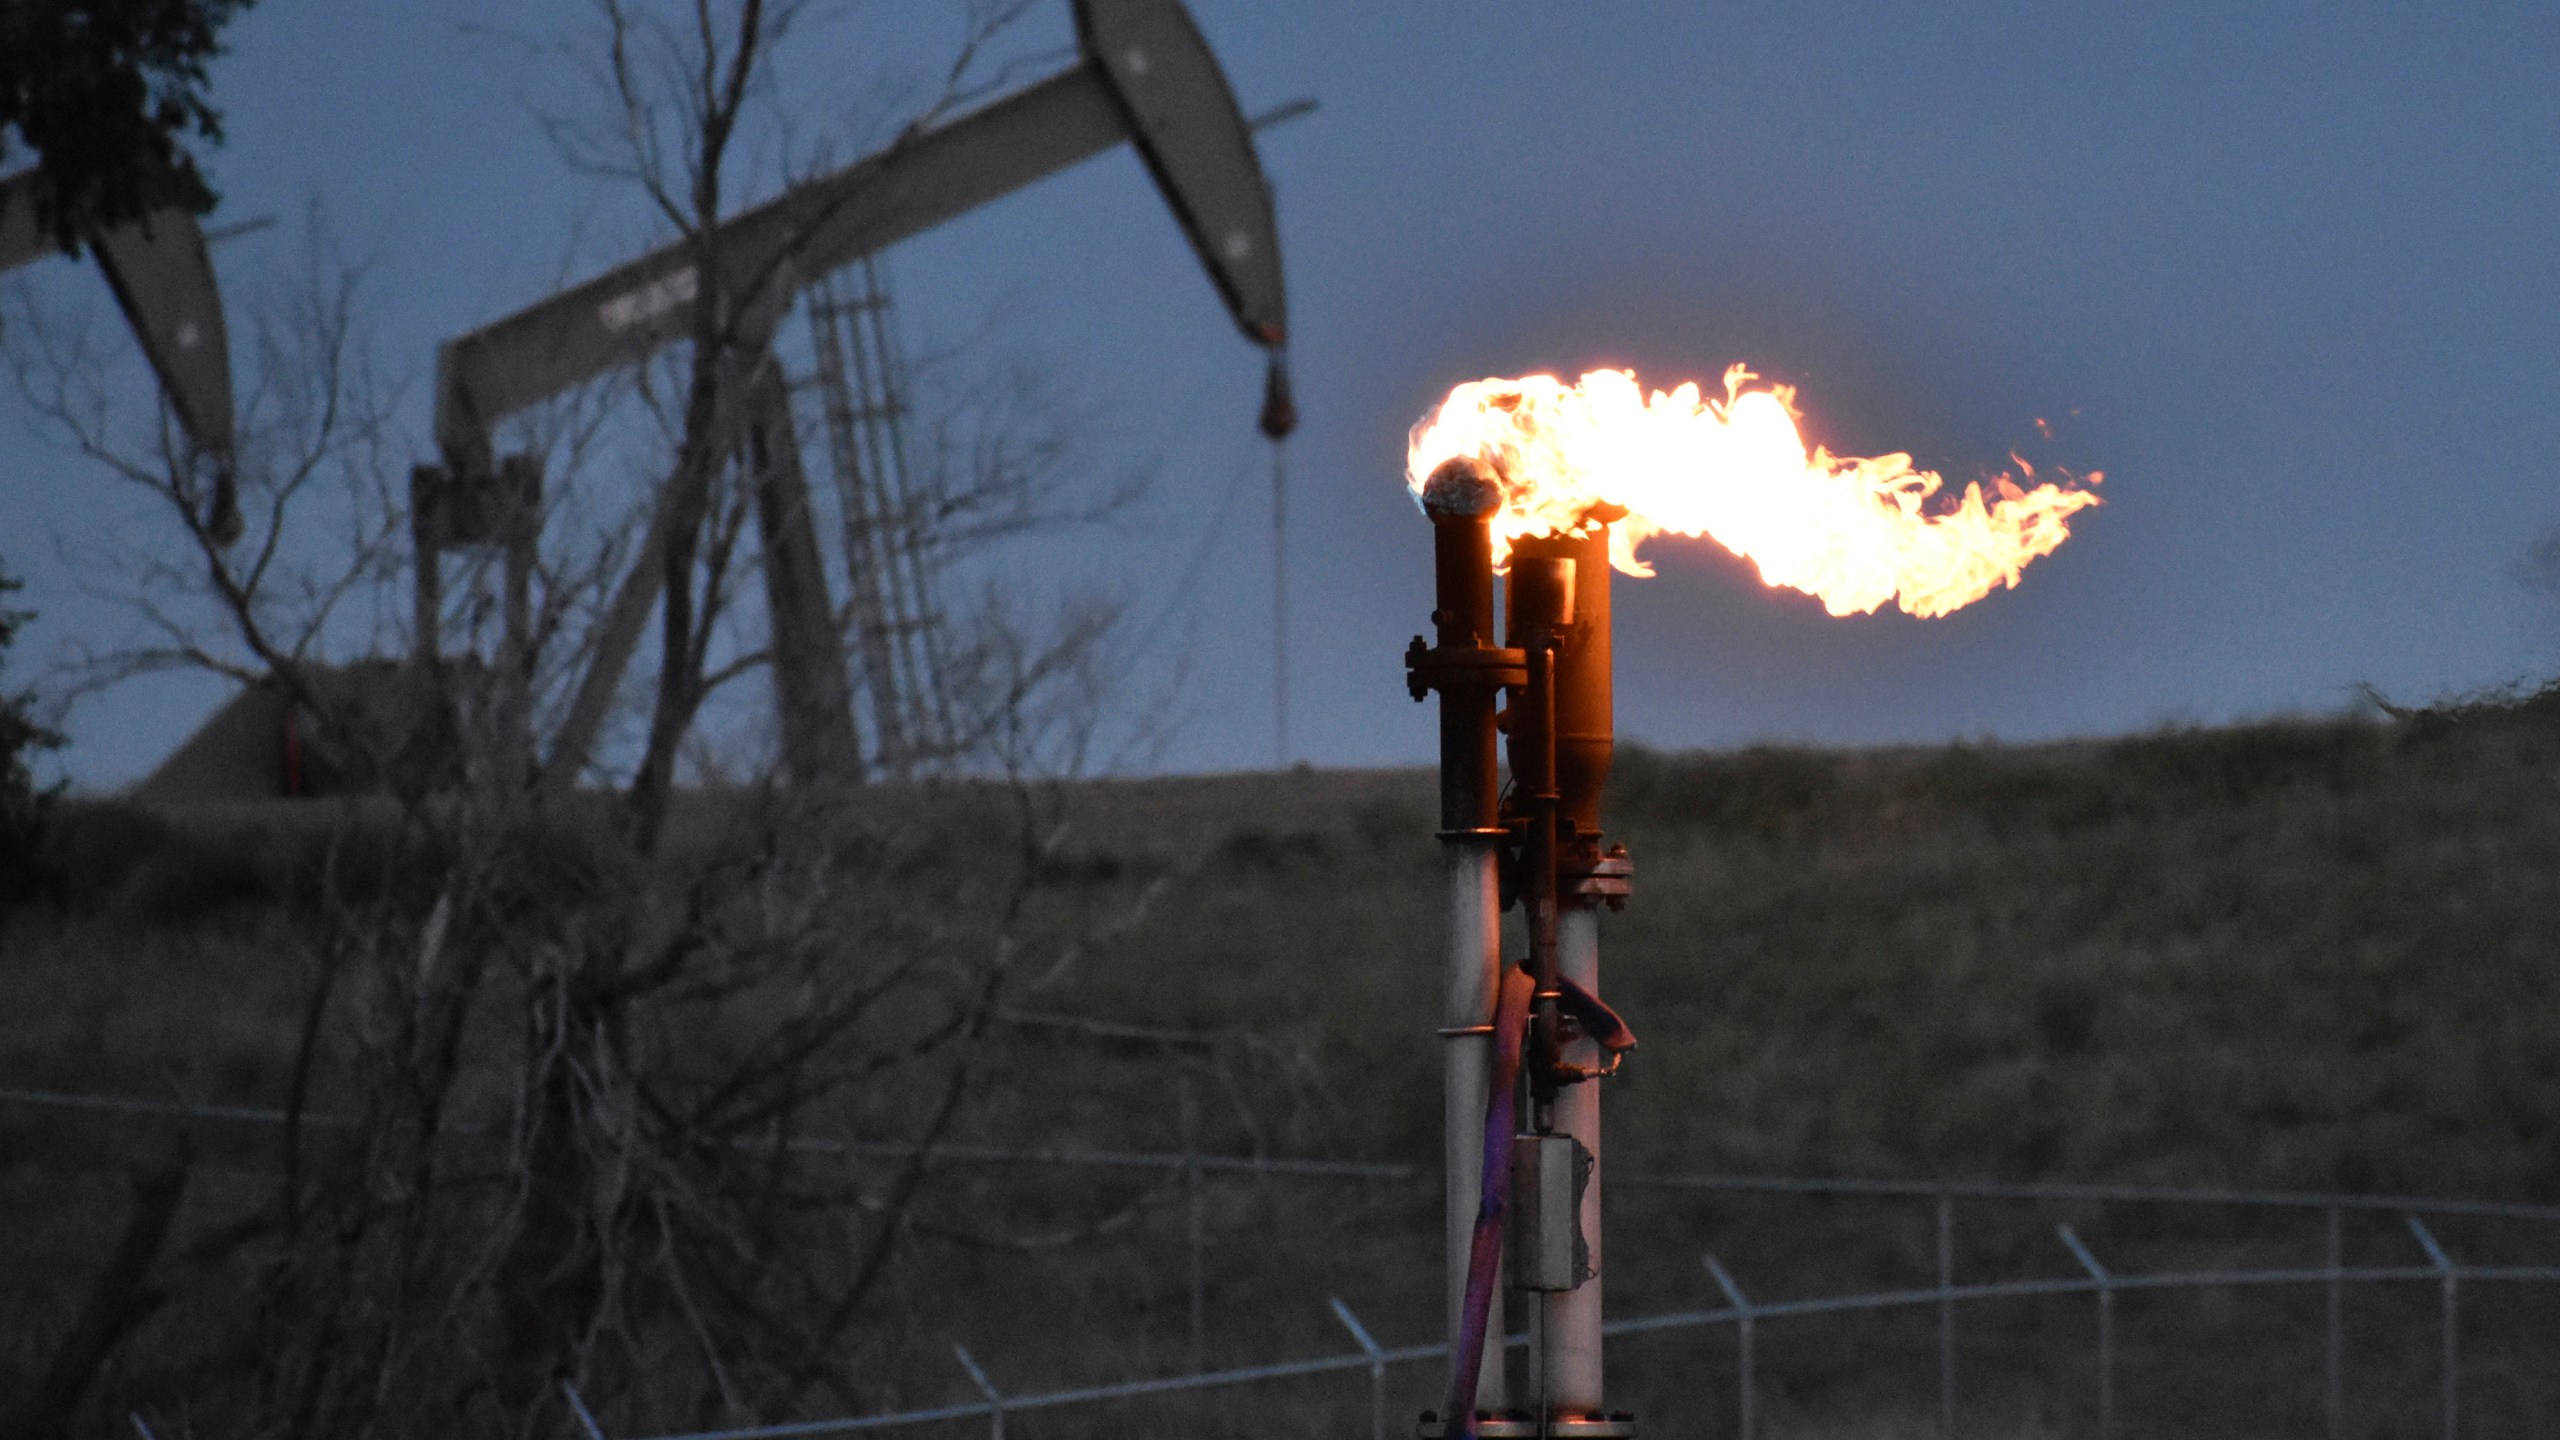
{"x": 1146, "y": 76}
{"x": 162, "y": 279}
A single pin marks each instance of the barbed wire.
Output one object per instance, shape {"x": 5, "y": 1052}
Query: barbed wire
{"x": 2028, "y": 1190}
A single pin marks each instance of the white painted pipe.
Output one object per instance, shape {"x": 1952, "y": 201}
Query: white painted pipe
{"x": 1570, "y": 1325}
{"x": 1472, "y": 976}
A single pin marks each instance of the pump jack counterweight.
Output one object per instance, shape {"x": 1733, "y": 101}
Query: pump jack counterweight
{"x": 162, "y": 277}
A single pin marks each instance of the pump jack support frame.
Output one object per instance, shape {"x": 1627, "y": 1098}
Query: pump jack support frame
{"x": 1145, "y": 76}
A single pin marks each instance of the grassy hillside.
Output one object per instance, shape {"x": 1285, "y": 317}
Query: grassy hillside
{"x": 2301, "y": 954}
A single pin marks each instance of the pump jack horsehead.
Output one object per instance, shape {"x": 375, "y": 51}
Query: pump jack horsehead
{"x": 162, "y": 279}
{"x": 1145, "y": 76}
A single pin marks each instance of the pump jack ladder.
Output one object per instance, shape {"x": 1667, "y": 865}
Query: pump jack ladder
{"x": 894, "y": 608}
{"x": 1145, "y": 75}
{"x": 163, "y": 281}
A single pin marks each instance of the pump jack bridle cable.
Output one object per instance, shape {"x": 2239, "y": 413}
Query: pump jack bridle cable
{"x": 1279, "y": 417}
{"x": 1280, "y": 604}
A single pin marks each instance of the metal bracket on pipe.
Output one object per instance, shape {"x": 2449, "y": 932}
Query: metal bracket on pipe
{"x": 1437, "y": 667}
{"x": 1609, "y": 878}
{"x": 1618, "y": 1425}
{"x": 1548, "y": 1249}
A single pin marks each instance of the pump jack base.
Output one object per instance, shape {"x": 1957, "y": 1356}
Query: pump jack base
{"x": 1620, "y": 1426}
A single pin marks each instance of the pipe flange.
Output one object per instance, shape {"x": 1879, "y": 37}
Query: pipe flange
{"x": 1607, "y": 877}
{"x": 1437, "y": 667}
{"x": 1516, "y": 1427}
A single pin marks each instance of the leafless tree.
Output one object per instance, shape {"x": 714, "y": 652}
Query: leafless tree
{"x": 319, "y": 453}
{"x": 670, "y": 98}
{"x": 591, "y": 1091}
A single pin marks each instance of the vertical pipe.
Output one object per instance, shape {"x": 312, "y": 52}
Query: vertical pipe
{"x": 1533, "y": 788}
{"x": 1585, "y": 719}
{"x": 1460, "y": 499}
{"x": 2337, "y": 1367}
{"x": 1538, "y": 619}
{"x": 1560, "y": 598}
{"x": 1474, "y": 959}
{"x": 1946, "y": 1314}
{"x": 1572, "y": 1322}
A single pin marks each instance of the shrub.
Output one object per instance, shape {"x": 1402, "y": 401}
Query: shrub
{"x": 22, "y": 805}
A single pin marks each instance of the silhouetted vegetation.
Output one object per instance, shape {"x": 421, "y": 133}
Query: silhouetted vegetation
{"x": 23, "y": 807}
{"x": 2299, "y": 954}
{"x": 105, "y": 94}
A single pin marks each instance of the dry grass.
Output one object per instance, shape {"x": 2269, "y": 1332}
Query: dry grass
{"x": 2304, "y": 954}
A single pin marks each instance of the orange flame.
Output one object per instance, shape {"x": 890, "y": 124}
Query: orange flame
{"x": 1853, "y": 533}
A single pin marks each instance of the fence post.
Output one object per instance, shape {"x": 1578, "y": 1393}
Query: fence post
{"x": 1377, "y": 1368}
{"x": 986, "y": 1387}
{"x": 2452, "y": 1354}
{"x": 2337, "y": 1355}
{"x": 1744, "y": 1360}
{"x": 577, "y": 1407}
{"x": 1191, "y": 1179}
{"x": 2106, "y": 1330}
{"x": 1946, "y": 1315}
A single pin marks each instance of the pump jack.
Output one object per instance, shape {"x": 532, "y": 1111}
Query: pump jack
{"x": 163, "y": 281}
{"x": 1145, "y": 75}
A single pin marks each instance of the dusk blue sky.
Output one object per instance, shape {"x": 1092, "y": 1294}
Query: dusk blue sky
{"x": 2286, "y": 273}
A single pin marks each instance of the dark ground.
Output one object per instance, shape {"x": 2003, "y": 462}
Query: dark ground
{"x": 2309, "y": 955}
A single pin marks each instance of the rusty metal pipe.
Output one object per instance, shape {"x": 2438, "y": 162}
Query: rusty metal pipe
{"x": 1538, "y": 610}
{"x": 1569, "y": 1324}
{"x": 1460, "y": 500}
{"x": 1578, "y": 715}
{"x": 1585, "y": 698}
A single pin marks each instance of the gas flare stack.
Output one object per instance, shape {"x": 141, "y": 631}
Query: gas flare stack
{"x": 1526, "y": 1043}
